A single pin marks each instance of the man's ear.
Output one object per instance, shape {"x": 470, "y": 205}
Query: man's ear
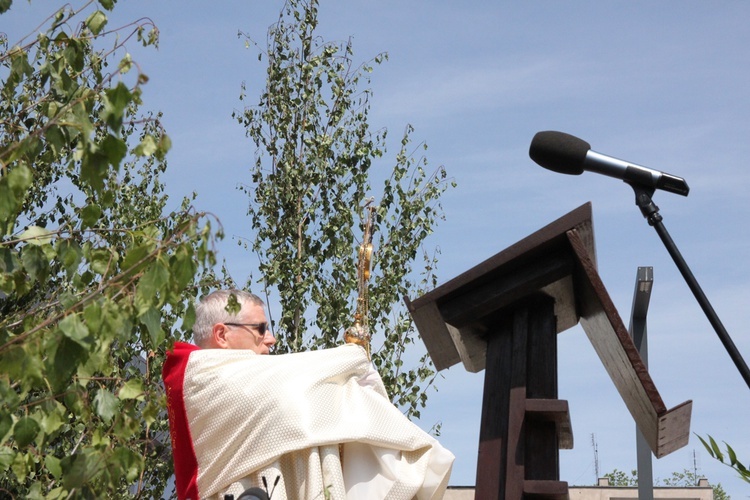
{"x": 219, "y": 335}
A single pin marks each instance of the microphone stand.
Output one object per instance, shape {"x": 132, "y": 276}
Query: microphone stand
{"x": 651, "y": 212}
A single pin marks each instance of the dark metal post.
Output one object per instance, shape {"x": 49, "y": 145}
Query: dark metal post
{"x": 641, "y": 297}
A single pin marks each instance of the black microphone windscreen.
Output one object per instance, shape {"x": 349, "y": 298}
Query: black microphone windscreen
{"x": 559, "y": 152}
{"x": 253, "y": 494}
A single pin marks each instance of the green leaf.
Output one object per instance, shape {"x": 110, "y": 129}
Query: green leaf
{"x": 36, "y": 235}
{"x": 13, "y": 186}
{"x": 105, "y": 404}
{"x": 117, "y": 323}
{"x": 732, "y": 455}
{"x": 8, "y": 260}
{"x": 75, "y": 470}
{"x": 90, "y": 215}
{"x": 7, "y": 456}
{"x": 153, "y": 282}
{"x": 74, "y": 54}
{"x": 101, "y": 260}
{"x": 55, "y": 139}
{"x": 165, "y": 144}
{"x": 97, "y": 360}
{"x": 151, "y": 413}
{"x": 132, "y": 389}
{"x": 182, "y": 268}
{"x": 115, "y": 150}
{"x": 22, "y": 465}
{"x": 147, "y": 147}
{"x": 21, "y": 364}
{"x": 107, "y": 4}
{"x": 5, "y": 5}
{"x": 6, "y": 423}
{"x": 94, "y": 169}
{"x": 96, "y": 22}
{"x": 126, "y": 463}
{"x": 73, "y": 328}
{"x": 80, "y": 119}
{"x": 717, "y": 451}
{"x": 188, "y": 319}
{"x": 125, "y": 63}
{"x": 92, "y": 315}
{"x": 20, "y": 66}
{"x": 53, "y": 466}
{"x": 25, "y": 431}
{"x": 67, "y": 299}
{"x": 136, "y": 257}
{"x": 68, "y": 356}
{"x": 152, "y": 319}
{"x": 115, "y": 104}
{"x": 99, "y": 439}
{"x": 54, "y": 419}
{"x": 35, "y": 262}
{"x": 69, "y": 255}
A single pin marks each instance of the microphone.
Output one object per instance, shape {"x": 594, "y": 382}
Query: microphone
{"x": 253, "y": 494}
{"x": 566, "y": 154}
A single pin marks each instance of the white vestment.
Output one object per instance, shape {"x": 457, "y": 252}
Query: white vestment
{"x": 284, "y": 416}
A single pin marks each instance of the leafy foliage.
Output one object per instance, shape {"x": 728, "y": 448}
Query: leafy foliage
{"x": 688, "y": 478}
{"x": 684, "y": 479}
{"x": 93, "y": 275}
{"x": 315, "y": 159}
{"x": 715, "y": 451}
{"x": 620, "y": 478}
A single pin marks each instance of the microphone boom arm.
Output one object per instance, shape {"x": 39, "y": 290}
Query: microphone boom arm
{"x": 650, "y": 211}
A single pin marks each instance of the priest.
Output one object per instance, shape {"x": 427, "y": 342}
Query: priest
{"x": 309, "y": 425}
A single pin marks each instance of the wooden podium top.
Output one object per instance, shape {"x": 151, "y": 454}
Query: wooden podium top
{"x": 451, "y": 317}
{"x": 558, "y": 260}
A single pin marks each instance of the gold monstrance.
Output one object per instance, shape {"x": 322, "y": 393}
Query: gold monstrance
{"x": 359, "y": 332}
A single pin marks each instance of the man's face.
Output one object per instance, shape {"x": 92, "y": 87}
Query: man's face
{"x": 244, "y": 333}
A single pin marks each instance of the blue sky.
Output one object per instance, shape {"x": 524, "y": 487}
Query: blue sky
{"x": 661, "y": 84}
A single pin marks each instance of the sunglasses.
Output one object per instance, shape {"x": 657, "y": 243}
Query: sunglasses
{"x": 262, "y": 328}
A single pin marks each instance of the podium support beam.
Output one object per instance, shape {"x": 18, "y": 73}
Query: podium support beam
{"x": 521, "y": 365}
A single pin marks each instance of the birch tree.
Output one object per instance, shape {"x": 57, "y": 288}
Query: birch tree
{"x": 316, "y": 164}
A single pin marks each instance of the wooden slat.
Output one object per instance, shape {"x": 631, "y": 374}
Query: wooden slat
{"x": 565, "y": 302}
{"x": 472, "y": 349}
{"x": 553, "y": 410}
{"x": 664, "y": 430}
{"x": 551, "y": 490}
{"x": 580, "y": 219}
{"x": 674, "y": 429}
{"x": 493, "y": 429}
{"x": 523, "y": 280}
{"x": 435, "y": 334}
{"x": 542, "y": 456}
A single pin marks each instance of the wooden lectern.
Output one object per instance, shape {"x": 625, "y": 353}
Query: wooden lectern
{"x": 503, "y": 316}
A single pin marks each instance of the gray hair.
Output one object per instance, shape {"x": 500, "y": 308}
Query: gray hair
{"x": 212, "y": 309}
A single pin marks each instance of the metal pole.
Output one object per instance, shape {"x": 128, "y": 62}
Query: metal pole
{"x": 641, "y": 297}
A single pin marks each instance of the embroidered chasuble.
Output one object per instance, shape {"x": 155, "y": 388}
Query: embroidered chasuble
{"x": 237, "y": 417}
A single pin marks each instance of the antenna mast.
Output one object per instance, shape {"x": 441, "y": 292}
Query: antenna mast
{"x": 596, "y": 457}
